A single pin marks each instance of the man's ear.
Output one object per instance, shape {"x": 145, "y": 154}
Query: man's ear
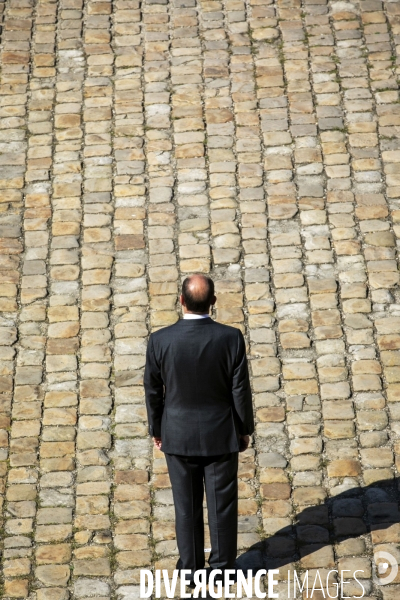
{"x": 181, "y": 300}
{"x": 213, "y": 301}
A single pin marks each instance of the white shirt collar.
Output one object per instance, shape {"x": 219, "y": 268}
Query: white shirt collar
{"x": 191, "y": 316}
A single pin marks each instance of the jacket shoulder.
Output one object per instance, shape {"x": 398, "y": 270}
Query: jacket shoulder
{"x": 158, "y": 335}
{"x": 227, "y": 329}
{"x": 217, "y": 328}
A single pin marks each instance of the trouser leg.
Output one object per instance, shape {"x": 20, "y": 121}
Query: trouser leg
{"x": 222, "y": 502}
{"x": 186, "y": 477}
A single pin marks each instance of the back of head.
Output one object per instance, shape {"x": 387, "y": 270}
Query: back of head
{"x": 198, "y": 293}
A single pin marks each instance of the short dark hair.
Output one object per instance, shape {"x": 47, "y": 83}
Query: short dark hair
{"x": 195, "y": 302}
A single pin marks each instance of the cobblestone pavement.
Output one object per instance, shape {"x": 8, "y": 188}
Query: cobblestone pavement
{"x": 142, "y": 140}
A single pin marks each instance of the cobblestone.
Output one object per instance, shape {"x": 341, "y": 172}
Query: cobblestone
{"x": 142, "y": 140}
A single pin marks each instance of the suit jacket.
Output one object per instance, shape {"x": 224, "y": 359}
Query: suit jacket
{"x": 198, "y": 394}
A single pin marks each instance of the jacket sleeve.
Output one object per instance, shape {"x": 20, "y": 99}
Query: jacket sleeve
{"x": 241, "y": 390}
{"x": 154, "y": 390}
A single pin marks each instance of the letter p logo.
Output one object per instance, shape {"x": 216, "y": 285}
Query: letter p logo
{"x": 381, "y": 567}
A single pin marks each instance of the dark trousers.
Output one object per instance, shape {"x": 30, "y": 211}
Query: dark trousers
{"x": 189, "y": 476}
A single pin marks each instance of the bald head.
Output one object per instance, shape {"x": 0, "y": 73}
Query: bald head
{"x": 197, "y": 294}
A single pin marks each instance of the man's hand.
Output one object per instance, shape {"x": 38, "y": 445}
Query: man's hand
{"x": 157, "y": 442}
{"x": 244, "y": 441}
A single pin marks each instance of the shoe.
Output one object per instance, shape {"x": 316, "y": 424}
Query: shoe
{"x": 191, "y": 584}
{"x": 221, "y": 577}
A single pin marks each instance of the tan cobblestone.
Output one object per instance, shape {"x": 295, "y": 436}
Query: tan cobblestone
{"x": 141, "y": 141}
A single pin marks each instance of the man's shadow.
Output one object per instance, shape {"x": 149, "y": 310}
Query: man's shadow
{"x": 350, "y": 514}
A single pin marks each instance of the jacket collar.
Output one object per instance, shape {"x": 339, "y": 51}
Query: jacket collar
{"x": 196, "y": 322}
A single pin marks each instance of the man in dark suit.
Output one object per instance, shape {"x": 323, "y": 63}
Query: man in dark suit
{"x": 200, "y": 414}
